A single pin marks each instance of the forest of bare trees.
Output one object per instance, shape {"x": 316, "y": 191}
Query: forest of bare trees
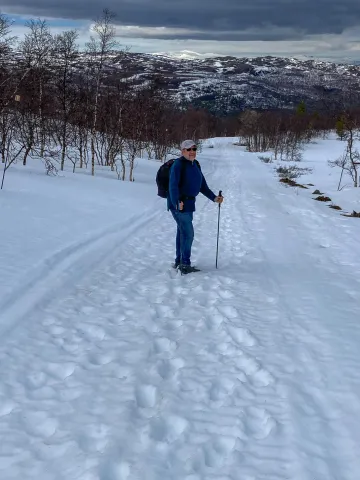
{"x": 285, "y": 134}
{"x": 88, "y": 117}
{"x": 53, "y": 111}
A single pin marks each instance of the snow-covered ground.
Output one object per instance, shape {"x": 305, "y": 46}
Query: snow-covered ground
{"x": 325, "y": 178}
{"x": 112, "y": 367}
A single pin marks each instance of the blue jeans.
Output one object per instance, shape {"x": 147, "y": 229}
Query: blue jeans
{"x": 184, "y": 236}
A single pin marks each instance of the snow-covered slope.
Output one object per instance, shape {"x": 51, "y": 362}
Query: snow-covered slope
{"x": 114, "y": 367}
{"x": 184, "y": 55}
{"x": 227, "y": 84}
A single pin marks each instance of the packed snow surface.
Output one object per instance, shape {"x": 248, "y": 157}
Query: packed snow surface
{"x": 114, "y": 367}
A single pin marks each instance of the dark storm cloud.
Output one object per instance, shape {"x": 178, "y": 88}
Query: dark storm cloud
{"x": 210, "y": 19}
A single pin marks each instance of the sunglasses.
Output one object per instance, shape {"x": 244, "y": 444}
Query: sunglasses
{"x": 191, "y": 149}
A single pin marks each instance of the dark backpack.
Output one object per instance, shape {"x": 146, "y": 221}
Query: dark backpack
{"x": 163, "y": 176}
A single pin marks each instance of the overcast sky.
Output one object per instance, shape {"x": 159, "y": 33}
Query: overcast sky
{"x": 325, "y": 29}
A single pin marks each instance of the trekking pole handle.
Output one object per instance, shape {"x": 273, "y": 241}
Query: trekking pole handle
{"x": 220, "y": 193}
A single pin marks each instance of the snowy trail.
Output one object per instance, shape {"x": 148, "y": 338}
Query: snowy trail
{"x": 305, "y": 268}
{"x": 236, "y": 373}
{"x": 60, "y": 271}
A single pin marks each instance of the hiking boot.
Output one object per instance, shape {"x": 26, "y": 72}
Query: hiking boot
{"x": 185, "y": 269}
{"x": 175, "y": 265}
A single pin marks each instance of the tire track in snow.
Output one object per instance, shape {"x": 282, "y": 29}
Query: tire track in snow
{"x": 314, "y": 408}
{"x": 264, "y": 408}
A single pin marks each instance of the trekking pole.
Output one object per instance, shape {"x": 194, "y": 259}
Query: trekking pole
{"x": 218, "y": 230}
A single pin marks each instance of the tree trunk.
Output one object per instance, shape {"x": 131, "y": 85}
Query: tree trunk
{"x": 63, "y": 149}
{"x": 92, "y": 153}
{"x": 42, "y": 126}
{"x": 27, "y": 151}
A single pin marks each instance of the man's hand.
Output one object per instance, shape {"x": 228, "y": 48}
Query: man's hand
{"x": 181, "y": 206}
{"x": 218, "y": 199}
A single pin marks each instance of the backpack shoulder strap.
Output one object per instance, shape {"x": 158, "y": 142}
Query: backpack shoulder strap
{"x": 182, "y": 172}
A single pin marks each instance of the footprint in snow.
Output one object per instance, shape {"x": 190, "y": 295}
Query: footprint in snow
{"x": 164, "y": 311}
{"x": 6, "y": 406}
{"x": 94, "y": 438}
{"x": 259, "y": 422}
{"x": 225, "y": 349}
{"x": 60, "y": 371}
{"x": 115, "y": 470}
{"x": 163, "y": 344}
{"x": 241, "y": 336}
{"x": 48, "y": 321}
{"x": 247, "y": 364}
{"x": 221, "y": 388}
{"x": 56, "y": 330}
{"x": 173, "y": 324}
{"x": 43, "y": 393}
{"x": 103, "y": 358}
{"x": 168, "y": 369}
{"x": 69, "y": 394}
{"x": 36, "y": 380}
{"x": 257, "y": 375}
{"x": 262, "y": 378}
{"x": 226, "y": 281}
{"x": 71, "y": 347}
{"x": 229, "y": 311}
{"x": 167, "y": 429}
{"x": 39, "y": 424}
{"x": 214, "y": 321}
{"x": 225, "y": 294}
{"x": 218, "y": 450}
{"x": 240, "y": 254}
{"x": 146, "y": 396}
{"x": 92, "y": 332}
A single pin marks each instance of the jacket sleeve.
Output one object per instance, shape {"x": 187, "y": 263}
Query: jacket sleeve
{"x": 174, "y": 180}
{"x": 205, "y": 190}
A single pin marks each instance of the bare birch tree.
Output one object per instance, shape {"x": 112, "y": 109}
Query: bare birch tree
{"x": 100, "y": 46}
{"x": 37, "y": 49}
{"x": 66, "y": 51}
{"x": 5, "y": 39}
{"x": 350, "y": 160}
{"x": 11, "y": 148}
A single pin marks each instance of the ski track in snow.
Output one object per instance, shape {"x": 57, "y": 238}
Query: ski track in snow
{"x": 138, "y": 373}
{"x": 63, "y": 267}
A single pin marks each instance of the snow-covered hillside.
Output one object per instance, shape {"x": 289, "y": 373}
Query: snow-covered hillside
{"x": 231, "y": 84}
{"x": 224, "y": 84}
{"x": 184, "y": 55}
{"x": 114, "y": 367}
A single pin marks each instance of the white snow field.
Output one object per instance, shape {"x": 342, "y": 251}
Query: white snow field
{"x": 114, "y": 367}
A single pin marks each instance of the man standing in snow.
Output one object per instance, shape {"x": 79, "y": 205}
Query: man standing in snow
{"x": 186, "y": 182}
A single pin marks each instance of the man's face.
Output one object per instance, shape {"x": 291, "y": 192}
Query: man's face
{"x": 189, "y": 153}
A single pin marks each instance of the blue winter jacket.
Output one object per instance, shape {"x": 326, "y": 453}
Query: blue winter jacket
{"x": 192, "y": 183}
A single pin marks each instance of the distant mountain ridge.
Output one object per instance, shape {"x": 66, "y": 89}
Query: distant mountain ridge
{"x": 227, "y": 84}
